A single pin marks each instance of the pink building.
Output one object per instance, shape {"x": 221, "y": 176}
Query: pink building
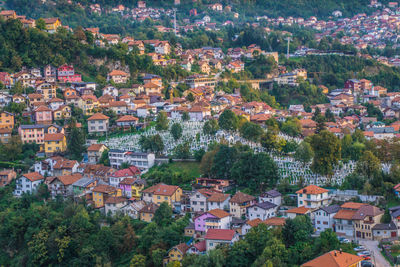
{"x": 43, "y": 115}
{"x": 66, "y": 73}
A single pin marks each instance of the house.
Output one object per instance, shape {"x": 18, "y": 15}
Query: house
{"x": 66, "y": 74}
{"x": 113, "y": 205}
{"x": 335, "y": 258}
{"x": 110, "y": 90}
{"x": 216, "y": 219}
{"x": 43, "y": 115}
{"x": 176, "y": 253}
{"x": 132, "y": 209}
{"x": 98, "y": 123}
{"x": 83, "y": 186}
{"x": 101, "y": 192}
{"x": 6, "y": 176}
{"x": 239, "y": 203}
{"x": 218, "y": 201}
{"x": 32, "y": 133}
{"x": 63, "y": 166}
{"x": 293, "y": 213}
{"x": 218, "y": 185}
{"x": 127, "y": 121}
{"x": 94, "y": 152}
{"x": 52, "y": 24}
{"x": 55, "y": 143}
{"x": 198, "y": 200}
{"x": 271, "y": 196}
{"x": 117, "y": 176}
{"x": 132, "y": 187}
{"x": 384, "y": 231}
{"x": 146, "y": 111}
{"x": 152, "y": 78}
{"x": 216, "y": 237}
{"x": 63, "y": 185}
{"x": 162, "y": 47}
{"x": 143, "y": 161}
{"x": 118, "y": 76}
{"x": 262, "y": 210}
{"x": 312, "y": 197}
{"x": 344, "y": 218}
{"x": 8, "y": 14}
{"x": 147, "y": 212}
{"x": 353, "y": 84}
{"x": 5, "y": 135}
{"x": 88, "y": 103}
{"x": 160, "y": 193}
{"x": 48, "y": 90}
{"x": 198, "y": 113}
{"x": 364, "y": 219}
{"x": 119, "y": 107}
{"x": 323, "y": 217}
{"x": 28, "y": 183}
{"x": 6, "y": 120}
{"x": 50, "y": 72}
{"x": 62, "y": 113}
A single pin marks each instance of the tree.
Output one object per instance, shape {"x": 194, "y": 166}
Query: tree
{"x": 251, "y": 131}
{"x": 13, "y": 149}
{"x": 386, "y": 218}
{"x": 176, "y": 131}
{"x": 75, "y": 141}
{"x": 274, "y": 251}
{"x": 327, "y": 241}
{"x": 190, "y": 97}
{"x": 304, "y": 153}
{"x": 269, "y": 141}
{"x": 228, "y": 120}
{"x": 291, "y": 127}
{"x": 182, "y": 151}
{"x": 223, "y": 161}
{"x": 163, "y": 215}
{"x": 104, "y": 159}
{"x": 138, "y": 261}
{"x": 326, "y": 147}
{"x": 162, "y": 121}
{"x": 210, "y": 127}
{"x": 185, "y": 116}
{"x": 297, "y": 230}
{"x": 368, "y": 165}
{"x": 40, "y": 24}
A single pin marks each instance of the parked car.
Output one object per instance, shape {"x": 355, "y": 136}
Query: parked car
{"x": 366, "y": 263}
{"x": 366, "y": 252}
{"x": 346, "y": 241}
{"x": 359, "y": 248}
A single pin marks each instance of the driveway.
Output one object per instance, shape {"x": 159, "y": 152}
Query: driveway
{"x": 376, "y": 257}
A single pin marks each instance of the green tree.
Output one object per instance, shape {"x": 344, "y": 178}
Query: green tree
{"x": 162, "y": 121}
{"x": 176, "y": 131}
{"x": 138, "y": 261}
{"x": 40, "y": 24}
{"x": 386, "y": 218}
{"x": 228, "y": 120}
{"x": 368, "y": 165}
{"x": 104, "y": 159}
{"x": 327, "y": 241}
{"x": 327, "y": 150}
{"x": 182, "y": 151}
{"x": 291, "y": 127}
{"x": 251, "y": 131}
{"x": 297, "y": 230}
{"x": 185, "y": 116}
{"x": 163, "y": 215}
{"x": 75, "y": 141}
{"x": 304, "y": 153}
{"x": 210, "y": 127}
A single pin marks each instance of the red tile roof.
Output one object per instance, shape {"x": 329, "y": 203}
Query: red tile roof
{"x": 312, "y": 190}
{"x": 33, "y": 176}
{"x": 53, "y": 137}
{"x": 162, "y": 189}
{"x": 98, "y": 116}
{"x": 334, "y": 258}
{"x": 220, "y": 234}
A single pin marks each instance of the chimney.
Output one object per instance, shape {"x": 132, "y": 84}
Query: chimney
{"x": 340, "y": 250}
{"x": 335, "y": 253}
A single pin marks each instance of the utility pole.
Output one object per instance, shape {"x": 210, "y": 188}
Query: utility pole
{"x": 288, "y": 49}
{"x": 174, "y": 20}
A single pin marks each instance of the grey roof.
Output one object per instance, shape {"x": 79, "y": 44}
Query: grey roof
{"x": 394, "y": 208}
{"x": 237, "y": 221}
{"x": 265, "y": 205}
{"x": 116, "y": 151}
{"x": 382, "y": 130}
{"x": 34, "y": 126}
{"x": 83, "y": 182}
{"x": 331, "y": 209}
{"x": 385, "y": 226}
{"x": 190, "y": 226}
{"x": 271, "y": 193}
{"x": 395, "y": 213}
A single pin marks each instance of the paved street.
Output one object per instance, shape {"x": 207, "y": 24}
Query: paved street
{"x": 377, "y": 259}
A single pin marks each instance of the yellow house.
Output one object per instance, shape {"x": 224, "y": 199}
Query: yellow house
{"x": 52, "y": 24}
{"x": 54, "y": 143}
{"x": 160, "y": 193}
{"x": 63, "y": 112}
{"x": 147, "y": 212}
{"x": 6, "y": 120}
{"x": 48, "y": 90}
{"x": 89, "y": 104}
{"x": 101, "y": 192}
{"x": 176, "y": 253}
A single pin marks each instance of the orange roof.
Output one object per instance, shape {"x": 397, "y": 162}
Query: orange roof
{"x": 345, "y": 214}
{"x": 312, "y": 190}
{"x": 53, "y": 137}
{"x": 275, "y": 221}
{"x": 69, "y": 179}
{"x": 299, "y": 210}
{"x": 33, "y": 176}
{"x": 118, "y": 104}
{"x": 103, "y": 188}
{"x": 334, "y": 258}
{"x": 95, "y": 147}
{"x": 162, "y": 189}
{"x": 240, "y": 197}
{"x": 118, "y": 73}
{"x": 254, "y": 222}
{"x": 98, "y": 116}
{"x": 127, "y": 118}
{"x": 218, "y": 197}
{"x": 352, "y": 205}
{"x": 42, "y": 108}
{"x": 219, "y": 213}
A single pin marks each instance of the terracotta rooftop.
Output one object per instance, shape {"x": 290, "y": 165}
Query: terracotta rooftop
{"x": 98, "y": 116}
{"x": 103, "y": 188}
{"x": 219, "y": 213}
{"x": 299, "y": 210}
{"x": 162, "y": 189}
{"x": 53, "y": 137}
{"x": 352, "y": 205}
{"x": 33, "y": 176}
{"x": 220, "y": 234}
{"x": 312, "y": 190}
{"x": 127, "y": 118}
{"x": 344, "y": 214}
{"x": 118, "y": 73}
{"x": 69, "y": 179}
{"x": 218, "y": 197}
{"x": 95, "y": 147}
{"x": 275, "y": 221}
{"x": 240, "y": 197}
{"x": 116, "y": 200}
{"x": 149, "y": 208}
{"x": 334, "y": 258}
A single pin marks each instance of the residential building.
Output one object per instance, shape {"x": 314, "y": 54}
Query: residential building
{"x": 94, "y": 152}
{"x": 127, "y": 121}
{"x": 101, "y": 192}
{"x": 216, "y": 237}
{"x": 66, "y": 73}
{"x": 364, "y": 219}
{"x": 113, "y": 205}
{"x": 5, "y": 135}
{"x": 133, "y": 208}
{"x": 43, "y": 115}
{"x": 118, "y": 76}
{"x": 323, "y": 218}
{"x": 147, "y": 212}
{"x": 132, "y": 187}
{"x": 293, "y": 213}
{"x": 83, "y": 186}
{"x": 6, "y": 176}
{"x": 198, "y": 200}
{"x": 262, "y": 210}
{"x": 386, "y": 231}
{"x": 55, "y": 143}
{"x": 28, "y": 183}
{"x": 52, "y": 24}
{"x": 312, "y": 197}
{"x": 6, "y": 120}
{"x": 176, "y": 253}
{"x": 98, "y": 124}
{"x": 344, "y": 218}
{"x": 62, "y": 113}
{"x": 160, "y": 193}
{"x": 335, "y": 258}
{"x": 239, "y": 203}
{"x": 118, "y": 176}
{"x": 32, "y": 133}
{"x": 218, "y": 201}
{"x": 48, "y": 90}
{"x": 63, "y": 185}
{"x": 271, "y": 196}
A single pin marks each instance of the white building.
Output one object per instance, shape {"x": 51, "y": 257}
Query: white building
{"x": 323, "y": 217}
{"x": 263, "y": 211}
{"x": 312, "y": 197}
{"x": 113, "y": 205}
{"x": 28, "y": 183}
{"x": 143, "y": 161}
{"x": 215, "y": 237}
{"x": 271, "y": 196}
{"x": 218, "y": 201}
{"x": 198, "y": 200}
{"x": 132, "y": 209}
